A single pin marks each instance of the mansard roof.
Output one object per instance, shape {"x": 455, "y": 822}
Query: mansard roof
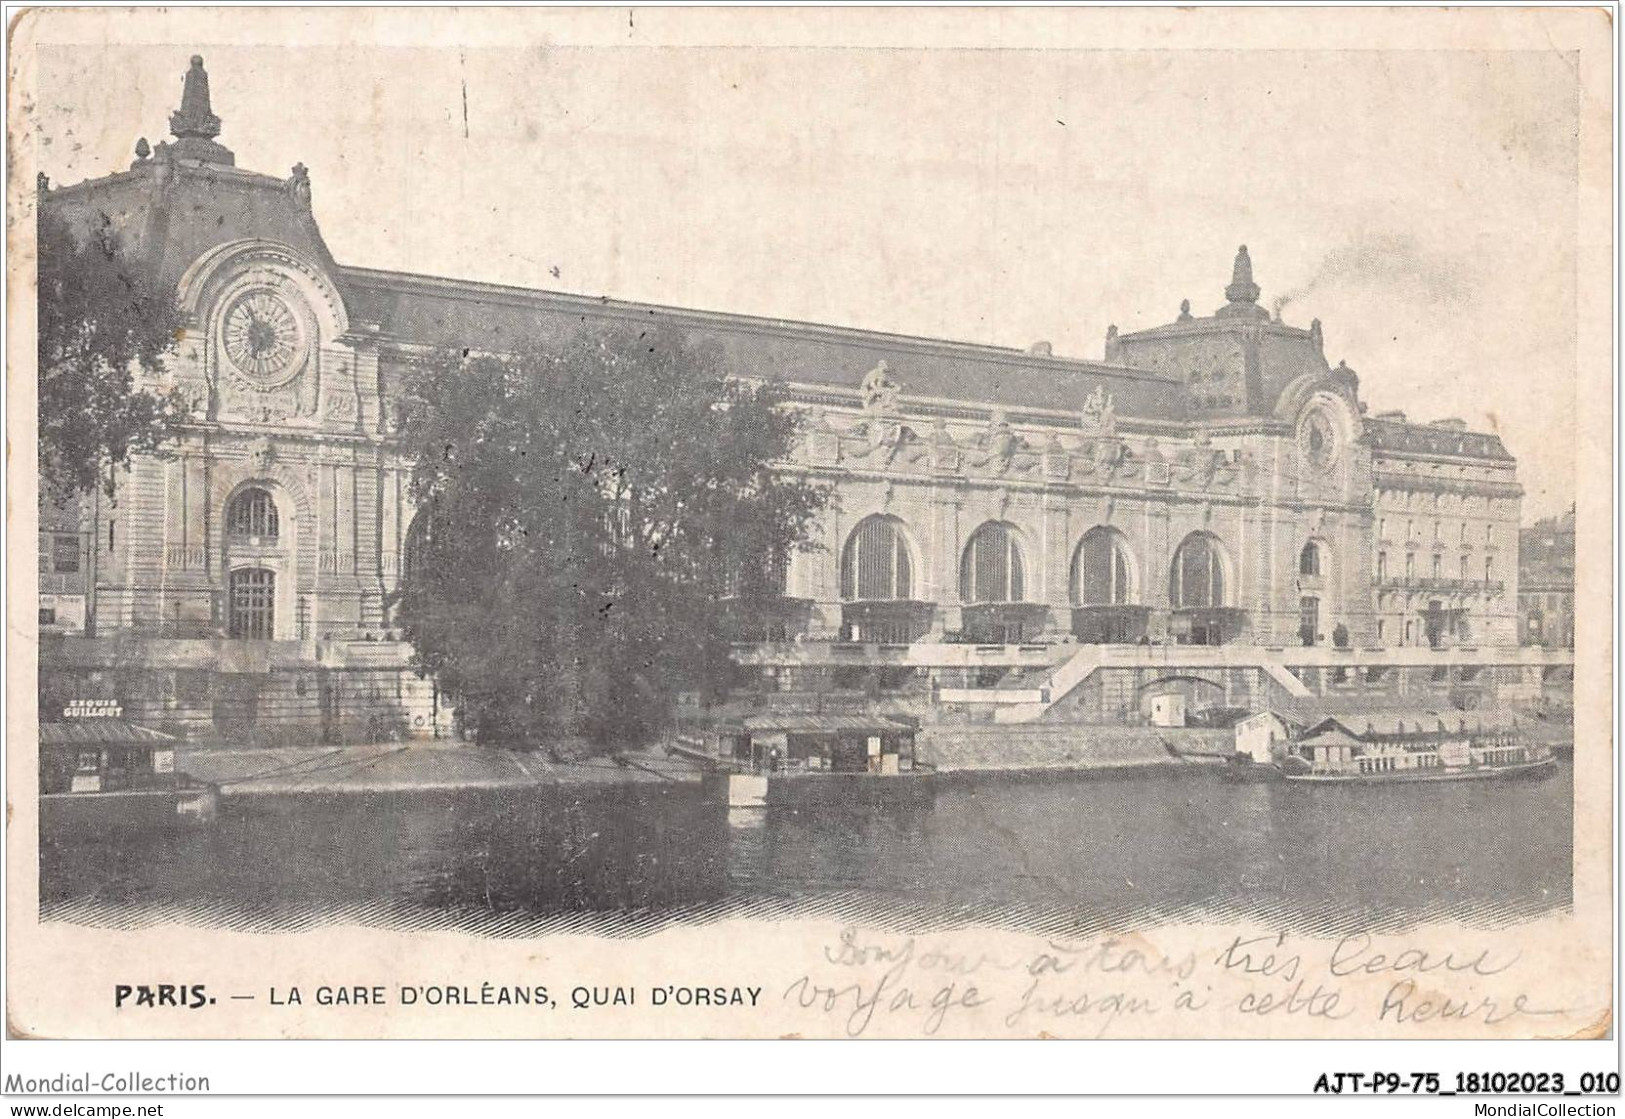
{"x": 178, "y": 201}
{"x": 1430, "y": 439}
{"x": 413, "y": 310}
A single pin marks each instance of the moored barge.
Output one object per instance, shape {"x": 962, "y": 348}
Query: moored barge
{"x": 100, "y": 774}
{"x": 775, "y": 759}
{"x": 1417, "y": 745}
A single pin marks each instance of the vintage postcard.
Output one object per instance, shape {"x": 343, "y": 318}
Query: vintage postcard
{"x": 628, "y": 523}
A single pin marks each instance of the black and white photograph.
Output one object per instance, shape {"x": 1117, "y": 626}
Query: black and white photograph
{"x": 921, "y": 528}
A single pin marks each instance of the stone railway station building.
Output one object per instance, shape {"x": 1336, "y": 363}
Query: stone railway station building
{"x": 1208, "y": 502}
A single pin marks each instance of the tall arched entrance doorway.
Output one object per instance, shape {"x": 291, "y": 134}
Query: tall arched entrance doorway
{"x": 259, "y": 585}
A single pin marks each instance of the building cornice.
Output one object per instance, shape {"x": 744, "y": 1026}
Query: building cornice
{"x": 1218, "y": 324}
{"x": 235, "y": 429}
{"x": 1417, "y": 483}
{"x": 143, "y": 172}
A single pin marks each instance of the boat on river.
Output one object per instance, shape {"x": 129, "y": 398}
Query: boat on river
{"x": 1394, "y": 746}
{"x": 791, "y": 758}
{"x": 100, "y": 774}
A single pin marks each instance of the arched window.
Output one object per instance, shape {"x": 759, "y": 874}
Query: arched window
{"x": 875, "y": 563}
{"x": 1197, "y": 578}
{"x": 1100, "y": 570}
{"x": 1309, "y": 559}
{"x": 252, "y": 513}
{"x": 253, "y": 603}
{"x": 991, "y": 568}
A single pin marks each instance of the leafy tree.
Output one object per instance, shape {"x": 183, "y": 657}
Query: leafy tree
{"x": 582, "y": 509}
{"x": 102, "y": 317}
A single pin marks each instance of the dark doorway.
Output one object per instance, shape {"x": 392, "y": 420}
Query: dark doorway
{"x": 253, "y": 603}
{"x": 1309, "y": 619}
{"x": 1434, "y": 623}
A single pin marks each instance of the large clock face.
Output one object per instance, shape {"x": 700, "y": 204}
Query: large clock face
{"x": 1318, "y": 439}
{"x": 263, "y": 337}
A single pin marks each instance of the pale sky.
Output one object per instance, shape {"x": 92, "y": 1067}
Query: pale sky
{"x": 1421, "y": 203}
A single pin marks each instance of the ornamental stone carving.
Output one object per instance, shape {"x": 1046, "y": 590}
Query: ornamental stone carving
{"x": 882, "y": 437}
{"x": 822, "y": 443}
{"x": 999, "y": 444}
{"x": 343, "y": 407}
{"x": 1057, "y": 461}
{"x": 262, "y": 454}
{"x": 1109, "y": 455}
{"x": 945, "y": 456}
{"x": 1099, "y": 416}
{"x": 264, "y": 313}
{"x": 880, "y": 392}
{"x": 298, "y": 186}
{"x": 1201, "y": 466}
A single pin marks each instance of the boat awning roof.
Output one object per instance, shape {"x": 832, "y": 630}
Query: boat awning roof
{"x": 101, "y": 732}
{"x": 818, "y": 724}
{"x": 1367, "y": 721}
{"x": 1330, "y": 735}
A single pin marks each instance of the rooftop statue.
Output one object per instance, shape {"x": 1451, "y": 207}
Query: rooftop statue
{"x": 880, "y": 392}
{"x": 1242, "y": 289}
{"x": 194, "y": 124}
{"x": 194, "y": 117}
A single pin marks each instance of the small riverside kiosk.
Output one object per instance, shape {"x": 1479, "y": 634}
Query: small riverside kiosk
{"x": 99, "y": 772}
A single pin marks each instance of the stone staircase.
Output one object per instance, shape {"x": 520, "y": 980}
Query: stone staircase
{"x": 1090, "y": 658}
{"x": 1068, "y": 675}
{"x": 1285, "y": 677}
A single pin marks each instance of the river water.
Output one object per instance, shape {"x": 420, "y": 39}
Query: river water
{"x": 1070, "y": 855}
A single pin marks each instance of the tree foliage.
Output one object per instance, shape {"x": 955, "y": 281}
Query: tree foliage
{"x": 102, "y": 317}
{"x": 581, "y": 510}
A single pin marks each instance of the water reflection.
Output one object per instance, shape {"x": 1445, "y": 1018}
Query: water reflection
{"x": 1061, "y": 854}
{"x": 1175, "y": 844}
